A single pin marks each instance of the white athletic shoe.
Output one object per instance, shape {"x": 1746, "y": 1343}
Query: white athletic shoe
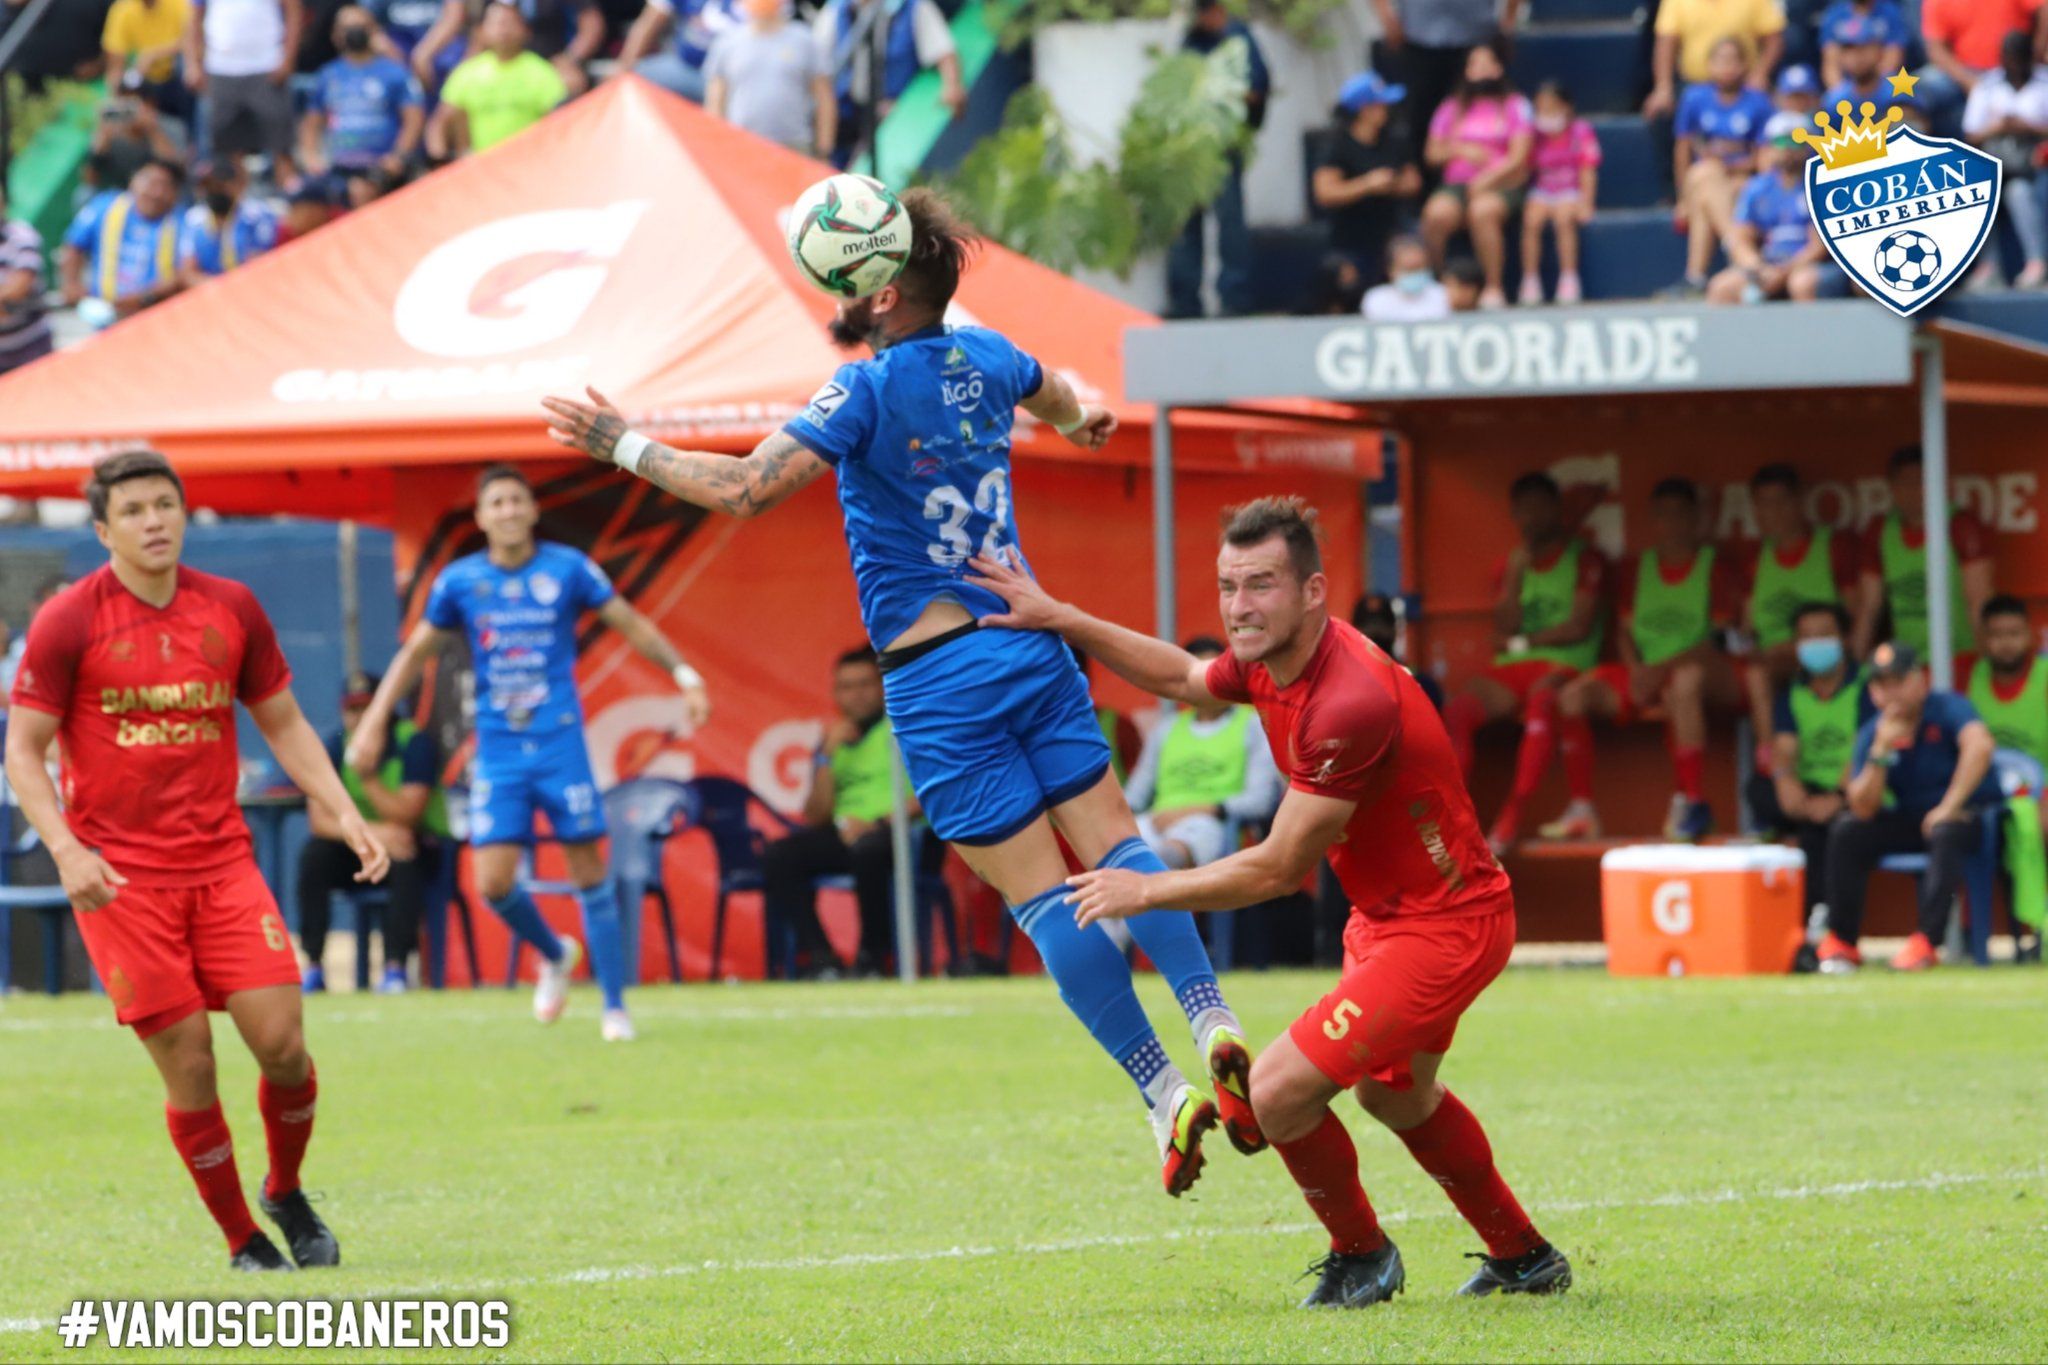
{"x": 617, "y": 1027}
{"x": 551, "y": 991}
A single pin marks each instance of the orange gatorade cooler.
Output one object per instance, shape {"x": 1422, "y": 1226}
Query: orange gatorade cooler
{"x": 1678, "y": 910}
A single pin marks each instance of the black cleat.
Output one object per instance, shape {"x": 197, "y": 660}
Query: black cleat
{"x": 259, "y": 1253}
{"x": 1357, "y": 1281}
{"x": 1542, "y": 1271}
{"x": 311, "y": 1243}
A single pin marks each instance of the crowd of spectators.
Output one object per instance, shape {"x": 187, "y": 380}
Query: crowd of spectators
{"x": 231, "y": 126}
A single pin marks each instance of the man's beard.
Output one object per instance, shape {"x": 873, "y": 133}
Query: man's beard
{"x": 854, "y": 326}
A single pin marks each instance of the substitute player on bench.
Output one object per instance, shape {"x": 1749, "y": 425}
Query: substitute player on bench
{"x": 1375, "y": 786}
{"x": 136, "y": 668}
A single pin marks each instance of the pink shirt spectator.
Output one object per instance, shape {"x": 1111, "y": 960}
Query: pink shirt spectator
{"x": 1557, "y": 159}
{"x": 1490, "y": 123}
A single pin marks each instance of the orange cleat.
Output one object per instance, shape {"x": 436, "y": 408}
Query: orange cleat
{"x": 1230, "y": 1066}
{"x": 1838, "y": 958}
{"x": 1917, "y": 956}
{"x": 1180, "y": 1123}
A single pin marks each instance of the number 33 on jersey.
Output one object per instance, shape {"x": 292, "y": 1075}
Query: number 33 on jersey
{"x": 920, "y": 438}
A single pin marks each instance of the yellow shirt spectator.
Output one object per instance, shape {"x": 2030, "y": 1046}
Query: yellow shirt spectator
{"x": 1699, "y": 24}
{"x": 135, "y": 27}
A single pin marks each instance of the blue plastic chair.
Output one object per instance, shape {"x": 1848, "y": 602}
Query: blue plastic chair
{"x": 2014, "y": 771}
{"x": 931, "y": 899}
{"x": 720, "y": 807}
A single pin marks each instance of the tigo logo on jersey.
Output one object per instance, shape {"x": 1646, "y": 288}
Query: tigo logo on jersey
{"x": 1904, "y": 214}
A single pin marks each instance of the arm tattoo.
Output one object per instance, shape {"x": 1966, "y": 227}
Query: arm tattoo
{"x": 601, "y": 437}
{"x": 742, "y": 488}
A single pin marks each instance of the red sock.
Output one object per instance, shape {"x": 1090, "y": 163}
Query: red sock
{"x": 1539, "y": 742}
{"x": 202, "y": 1139}
{"x": 1575, "y": 746}
{"x": 1325, "y": 1165}
{"x": 1463, "y": 716}
{"x": 287, "y": 1126}
{"x": 1690, "y": 765}
{"x": 1452, "y": 1147}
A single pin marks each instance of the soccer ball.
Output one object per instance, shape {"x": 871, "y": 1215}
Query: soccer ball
{"x": 1908, "y": 260}
{"x": 849, "y": 235}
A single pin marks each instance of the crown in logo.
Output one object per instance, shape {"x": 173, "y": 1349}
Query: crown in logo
{"x": 1856, "y": 141}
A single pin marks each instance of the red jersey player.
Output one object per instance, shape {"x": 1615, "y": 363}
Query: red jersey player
{"x": 1374, "y": 784}
{"x": 136, "y": 669}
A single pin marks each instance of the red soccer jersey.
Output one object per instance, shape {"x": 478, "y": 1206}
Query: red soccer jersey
{"x": 1357, "y": 726}
{"x": 147, "y": 704}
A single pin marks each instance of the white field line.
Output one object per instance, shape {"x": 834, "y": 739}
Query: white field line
{"x": 515, "y": 1009}
{"x": 863, "y": 1259}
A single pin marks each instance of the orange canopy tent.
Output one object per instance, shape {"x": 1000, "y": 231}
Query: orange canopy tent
{"x": 631, "y": 241}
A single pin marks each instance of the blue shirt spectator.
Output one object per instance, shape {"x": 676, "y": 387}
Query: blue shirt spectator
{"x": 122, "y": 248}
{"x": 205, "y": 247}
{"x": 1847, "y": 22}
{"x": 692, "y": 26}
{"x": 1921, "y": 772}
{"x": 404, "y": 22}
{"x": 1777, "y": 210}
{"x": 356, "y": 112}
{"x": 1725, "y": 126}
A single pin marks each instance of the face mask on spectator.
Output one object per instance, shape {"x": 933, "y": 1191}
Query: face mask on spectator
{"x": 355, "y": 39}
{"x": 1413, "y": 281}
{"x": 1551, "y": 123}
{"x": 1490, "y": 89}
{"x": 1820, "y": 656}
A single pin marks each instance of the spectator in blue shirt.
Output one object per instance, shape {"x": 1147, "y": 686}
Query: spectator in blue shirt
{"x": 224, "y": 229}
{"x": 1861, "y": 70}
{"x": 695, "y": 24}
{"x": 1798, "y": 93}
{"x": 120, "y": 254}
{"x": 1773, "y": 250}
{"x": 405, "y": 23}
{"x": 1920, "y": 782}
{"x": 1719, "y": 124}
{"x": 1847, "y": 22}
{"x": 1227, "y": 43}
{"x": 363, "y": 118}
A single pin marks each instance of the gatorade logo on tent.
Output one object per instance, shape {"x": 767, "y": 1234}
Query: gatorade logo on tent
{"x": 513, "y": 284}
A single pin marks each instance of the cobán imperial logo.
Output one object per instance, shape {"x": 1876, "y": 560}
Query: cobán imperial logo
{"x": 1902, "y": 213}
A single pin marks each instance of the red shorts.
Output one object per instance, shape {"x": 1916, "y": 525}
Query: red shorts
{"x": 1614, "y": 677}
{"x": 1406, "y": 982}
{"x": 165, "y": 952}
{"x": 1522, "y": 676}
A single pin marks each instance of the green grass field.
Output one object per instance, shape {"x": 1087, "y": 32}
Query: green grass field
{"x": 1791, "y": 1169}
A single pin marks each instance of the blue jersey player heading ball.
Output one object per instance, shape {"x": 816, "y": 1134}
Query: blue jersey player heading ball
{"x": 518, "y": 602}
{"x": 997, "y": 730}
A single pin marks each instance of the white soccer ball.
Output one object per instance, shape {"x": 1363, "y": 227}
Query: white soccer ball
{"x": 1908, "y": 260}
{"x": 849, "y": 235}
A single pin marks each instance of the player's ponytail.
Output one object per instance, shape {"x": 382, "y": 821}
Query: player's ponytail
{"x": 940, "y": 245}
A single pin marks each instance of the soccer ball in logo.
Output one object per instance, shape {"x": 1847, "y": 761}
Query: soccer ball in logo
{"x": 1908, "y": 260}
{"x": 849, "y": 235}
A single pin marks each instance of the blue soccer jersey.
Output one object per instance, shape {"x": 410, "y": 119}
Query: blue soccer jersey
{"x": 1728, "y": 129}
{"x": 1779, "y": 214}
{"x": 521, "y": 626}
{"x": 920, "y": 438}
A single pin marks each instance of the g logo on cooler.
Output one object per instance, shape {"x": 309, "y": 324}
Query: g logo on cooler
{"x": 513, "y": 284}
{"x": 1671, "y": 908}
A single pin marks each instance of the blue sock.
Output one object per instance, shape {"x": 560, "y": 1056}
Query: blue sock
{"x": 1170, "y": 939}
{"x": 1095, "y": 983}
{"x": 522, "y": 917}
{"x": 607, "y": 949}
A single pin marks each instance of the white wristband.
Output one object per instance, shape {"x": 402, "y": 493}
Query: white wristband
{"x": 687, "y": 677}
{"x": 627, "y": 453}
{"x": 1069, "y": 428}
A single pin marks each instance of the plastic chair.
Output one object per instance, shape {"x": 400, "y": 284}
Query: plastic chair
{"x": 644, "y": 813}
{"x": 719, "y": 806}
{"x": 931, "y": 899}
{"x": 2014, "y": 771}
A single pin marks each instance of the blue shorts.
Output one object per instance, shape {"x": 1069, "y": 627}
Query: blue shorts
{"x": 518, "y": 774}
{"x": 996, "y": 727}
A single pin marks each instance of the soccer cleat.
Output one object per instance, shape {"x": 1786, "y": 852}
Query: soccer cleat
{"x": 1917, "y": 956}
{"x": 1357, "y": 1281}
{"x": 259, "y": 1253}
{"x": 311, "y": 1243}
{"x": 1838, "y": 958}
{"x": 1230, "y": 1066}
{"x": 617, "y": 1027}
{"x": 394, "y": 982}
{"x": 1697, "y": 823}
{"x": 314, "y": 982}
{"x": 551, "y": 990}
{"x": 1179, "y": 1123}
{"x": 1578, "y": 821}
{"x": 1542, "y": 1271}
